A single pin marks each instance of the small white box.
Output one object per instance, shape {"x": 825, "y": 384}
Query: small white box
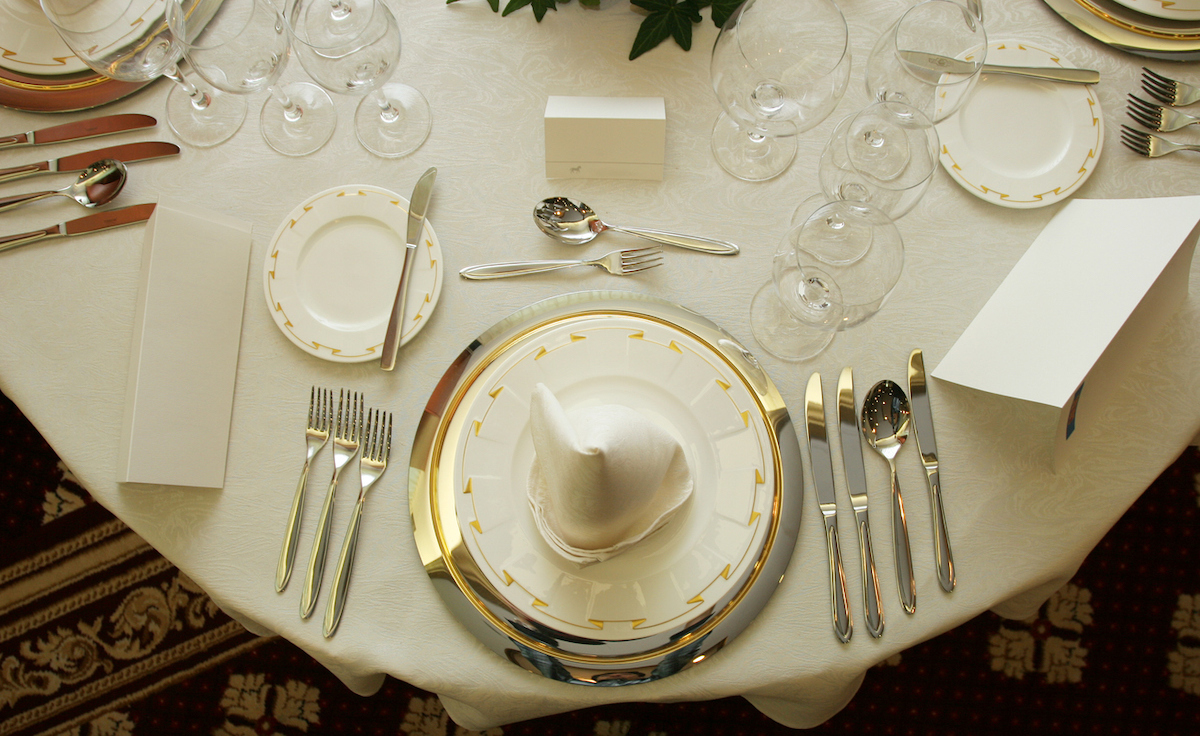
{"x": 605, "y": 137}
{"x": 183, "y": 361}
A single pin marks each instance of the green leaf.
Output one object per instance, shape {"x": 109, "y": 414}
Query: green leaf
{"x": 667, "y": 18}
{"x": 722, "y": 9}
{"x": 539, "y": 7}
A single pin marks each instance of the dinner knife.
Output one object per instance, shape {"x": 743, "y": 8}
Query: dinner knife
{"x": 417, "y": 206}
{"x": 947, "y": 64}
{"x": 822, "y": 470}
{"x": 89, "y": 224}
{"x": 125, "y": 153}
{"x": 927, "y": 446}
{"x": 78, "y": 130}
{"x": 856, "y": 483}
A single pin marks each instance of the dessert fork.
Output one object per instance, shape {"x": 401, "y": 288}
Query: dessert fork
{"x": 346, "y": 437}
{"x": 618, "y": 262}
{"x": 377, "y": 446}
{"x": 1167, "y": 90}
{"x": 1156, "y": 117}
{"x": 1150, "y": 145}
{"x": 320, "y": 411}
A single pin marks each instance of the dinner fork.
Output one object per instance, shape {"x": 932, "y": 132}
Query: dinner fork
{"x": 1167, "y": 90}
{"x": 1150, "y": 145}
{"x": 1156, "y": 117}
{"x": 618, "y": 262}
{"x": 377, "y": 446}
{"x": 346, "y": 436}
{"x": 320, "y": 411}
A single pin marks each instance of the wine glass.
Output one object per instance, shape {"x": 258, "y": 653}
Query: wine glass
{"x": 242, "y": 47}
{"x": 779, "y": 67}
{"x": 830, "y": 272}
{"x": 930, "y": 58}
{"x": 353, "y": 46}
{"x": 884, "y": 155}
{"x": 130, "y": 41}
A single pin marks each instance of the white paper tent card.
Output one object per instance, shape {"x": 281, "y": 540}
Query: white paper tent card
{"x": 1076, "y": 311}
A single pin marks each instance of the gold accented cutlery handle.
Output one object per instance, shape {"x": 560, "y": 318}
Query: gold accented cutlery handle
{"x": 341, "y": 575}
{"x": 842, "y": 625}
{"x": 316, "y": 560}
{"x": 291, "y": 537}
{"x": 941, "y": 535}
{"x": 905, "y": 580}
{"x": 872, "y": 603}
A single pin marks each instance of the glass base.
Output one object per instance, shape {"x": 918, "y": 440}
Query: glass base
{"x": 393, "y": 121}
{"x": 750, "y": 157}
{"x": 780, "y": 333}
{"x": 306, "y": 134}
{"x": 207, "y": 127}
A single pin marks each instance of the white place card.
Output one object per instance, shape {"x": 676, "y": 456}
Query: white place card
{"x": 183, "y": 362}
{"x": 605, "y": 137}
{"x": 1080, "y": 306}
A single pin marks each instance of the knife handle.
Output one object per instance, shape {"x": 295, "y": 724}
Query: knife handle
{"x": 1053, "y": 74}
{"x": 842, "y": 626}
{"x": 872, "y": 599}
{"x": 8, "y": 242}
{"x": 9, "y": 141}
{"x": 8, "y": 203}
{"x": 941, "y": 535}
{"x": 395, "y": 328}
{"x": 901, "y": 551}
{"x": 18, "y": 172}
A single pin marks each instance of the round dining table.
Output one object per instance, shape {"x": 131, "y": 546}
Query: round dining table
{"x": 1019, "y": 526}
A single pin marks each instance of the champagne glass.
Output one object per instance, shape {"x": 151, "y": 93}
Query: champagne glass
{"x": 779, "y": 67}
{"x": 930, "y": 58}
{"x": 130, "y": 41}
{"x": 884, "y": 155}
{"x": 353, "y": 46}
{"x": 831, "y": 272}
{"x": 242, "y": 48}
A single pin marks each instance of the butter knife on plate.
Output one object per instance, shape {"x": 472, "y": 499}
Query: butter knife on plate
{"x": 78, "y": 130}
{"x": 125, "y": 153}
{"x": 417, "y": 206}
{"x": 949, "y": 65}
{"x": 927, "y": 446}
{"x": 821, "y": 463}
{"x": 856, "y": 482}
{"x": 81, "y": 226}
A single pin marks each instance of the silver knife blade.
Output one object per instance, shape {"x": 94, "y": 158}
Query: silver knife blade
{"x": 417, "y": 206}
{"x": 821, "y": 463}
{"x": 856, "y": 483}
{"x": 922, "y": 417}
{"x": 125, "y": 153}
{"x": 949, "y": 65}
{"x": 78, "y": 130}
{"x": 89, "y": 224}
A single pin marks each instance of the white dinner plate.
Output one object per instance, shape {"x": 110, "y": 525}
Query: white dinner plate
{"x": 332, "y": 270}
{"x": 29, "y": 44}
{"x": 1177, "y": 10}
{"x": 1020, "y": 142}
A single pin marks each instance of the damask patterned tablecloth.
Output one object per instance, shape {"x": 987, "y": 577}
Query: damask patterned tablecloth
{"x": 1019, "y": 529}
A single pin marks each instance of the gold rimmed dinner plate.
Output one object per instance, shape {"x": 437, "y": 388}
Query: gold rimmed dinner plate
{"x": 671, "y": 600}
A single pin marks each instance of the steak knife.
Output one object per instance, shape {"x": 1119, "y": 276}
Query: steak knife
{"x": 78, "y": 130}
{"x": 89, "y": 224}
{"x": 927, "y": 446}
{"x": 417, "y": 206}
{"x": 125, "y": 153}
{"x": 856, "y": 482}
{"x": 822, "y": 470}
{"x": 950, "y": 65}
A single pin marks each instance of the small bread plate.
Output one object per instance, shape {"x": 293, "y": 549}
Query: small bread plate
{"x": 669, "y": 601}
{"x": 332, "y": 269}
{"x": 1023, "y": 143}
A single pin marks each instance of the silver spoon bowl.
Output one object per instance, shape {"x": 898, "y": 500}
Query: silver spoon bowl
{"x": 886, "y": 420}
{"x": 97, "y": 185}
{"x": 574, "y": 223}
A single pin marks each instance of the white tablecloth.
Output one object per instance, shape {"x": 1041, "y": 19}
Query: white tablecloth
{"x": 1018, "y": 529}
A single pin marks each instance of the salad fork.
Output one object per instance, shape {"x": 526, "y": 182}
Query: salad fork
{"x": 1156, "y": 117}
{"x": 618, "y": 262}
{"x": 377, "y": 447}
{"x": 1150, "y": 145}
{"x": 320, "y": 410}
{"x": 346, "y": 437}
{"x": 1167, "y": 90}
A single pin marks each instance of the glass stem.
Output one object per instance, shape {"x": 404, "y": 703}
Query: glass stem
{"x": 388, "y": 112}
{"x": 291, "y": 111}
{"x": 200, "y": 100}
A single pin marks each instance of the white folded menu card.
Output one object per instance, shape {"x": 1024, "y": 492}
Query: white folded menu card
{"x": 1077, "y": 310}
{"x": 605, "y": 137}
{"x": 183, "y": 361}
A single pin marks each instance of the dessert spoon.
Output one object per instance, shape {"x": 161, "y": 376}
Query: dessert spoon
{"x": 97, "y": 185}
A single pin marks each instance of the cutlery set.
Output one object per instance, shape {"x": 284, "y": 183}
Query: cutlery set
{"x": 1159, "y": 115}
{"x": 356, "y": 432}
{"x": 884, "y": 422}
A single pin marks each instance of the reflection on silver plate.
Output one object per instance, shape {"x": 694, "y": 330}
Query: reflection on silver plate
{"x": 1128, "y": 30}
{"x": 671, "y": 600}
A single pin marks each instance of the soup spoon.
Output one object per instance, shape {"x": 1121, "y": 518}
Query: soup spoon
{"x": 574, "y": 223}
{"x": 97, "y": 185}
{"x": 886, "y": 420}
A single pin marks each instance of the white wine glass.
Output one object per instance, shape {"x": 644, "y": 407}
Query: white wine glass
{"x": 779, "y": 67}
{"x": 353, "y": 47}
{"x": 130, "y": 41}
{"x": 242, "y": 48}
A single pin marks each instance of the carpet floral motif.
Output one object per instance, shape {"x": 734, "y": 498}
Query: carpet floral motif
{"x": 255, "y": 707}
{"x": 1183, "y": 664}
{"x": 1048, "y": 642}
{"x": 428, "y": 717}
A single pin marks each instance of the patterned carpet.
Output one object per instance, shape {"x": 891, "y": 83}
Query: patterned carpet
{"x": 101, "y": 637}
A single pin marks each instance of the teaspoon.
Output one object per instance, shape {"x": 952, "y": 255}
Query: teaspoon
{"x": 97, "y": 185}
{"x": 886, "y": 420}
{"x": 574, "y": 223}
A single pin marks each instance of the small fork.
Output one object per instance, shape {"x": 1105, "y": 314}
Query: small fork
{"x": 618, "y": 262}
{"x": 1150, "y": 145}
{"x": 377, "y": 447}
{"x": 1167, "y": 90}
{"x": 1156, "y": 117}
{"x": 346, "y": 437}
{"x": 320, "y": 411}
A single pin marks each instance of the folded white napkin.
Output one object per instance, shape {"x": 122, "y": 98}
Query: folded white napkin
{"x": 605, "y": 477}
